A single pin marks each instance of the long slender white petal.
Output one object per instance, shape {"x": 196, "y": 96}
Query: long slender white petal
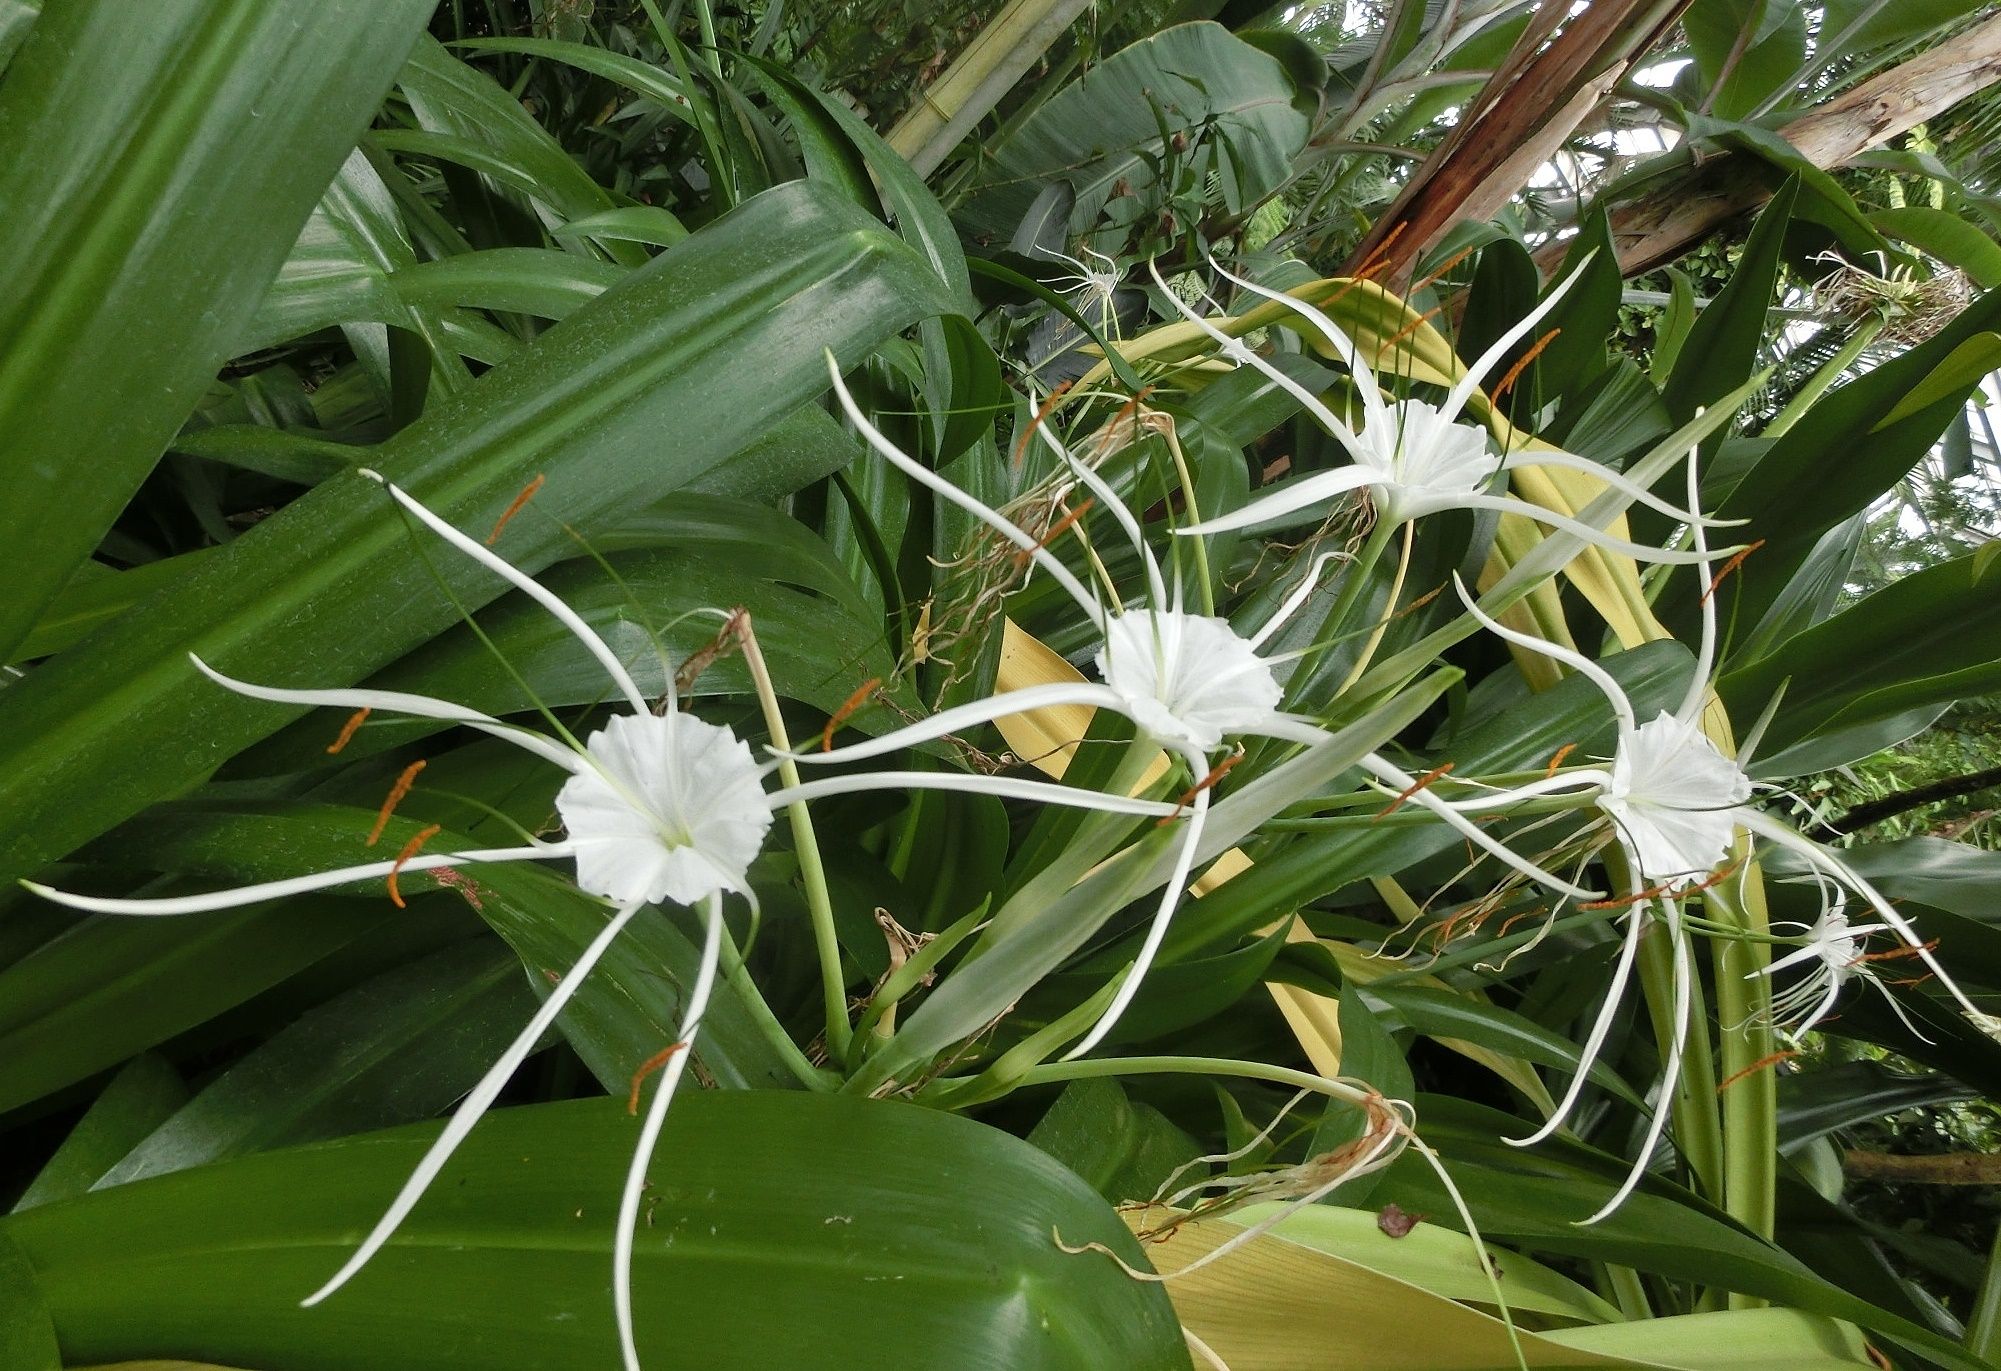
{"x": 1622, "y": 705}
{"x": 1540, "y": 457}
{"x": 1770, "y": 829}
{"x": 1601, "y": 1027}
{"x": 1463, "y": 391}
{"x": 962, "y": 717}
{"x": 400, "y": 702}
{"x": 1301, "y": 493}
{"x": 1670, "y": 1076}
{"x": 1007, "y": 787}
{"x": 1170, "y": 899}
{"x": 1299, "y": 596}
{"x": 1597, "y": 537}
{"x": 1705, "y": 655}
{"x": 1391, "y": 774}
{"x": 1344, "y": 348}
{"x": 1237, "y": 352}
{"x": 938, "y": 485}
{"x": 294, "y": 885}
{"x": 649, "y": 1134}
{"x": 1589, "y": 778}
{"x": 476, "y": 1104}
{"x": 528, "y": 586}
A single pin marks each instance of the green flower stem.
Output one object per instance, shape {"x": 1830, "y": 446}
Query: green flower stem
{"x": 812, "y": 873}
{"x": 1054, "y": 1072}
{"x": 1751, "y": 1092}
{"x": 810, "y": 1076}
{"x": 1698, "y": 1129}
{"x": 1375, "y": 639}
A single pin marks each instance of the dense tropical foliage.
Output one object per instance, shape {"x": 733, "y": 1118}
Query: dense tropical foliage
{"x": 999, "y": 686}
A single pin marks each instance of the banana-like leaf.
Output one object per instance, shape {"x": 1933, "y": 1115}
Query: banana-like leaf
{"x": 161, "y": 161}
{"x": 646, "y": 390}
{"x": 1110, "y": 133}
{"x": 792, "y": 1230}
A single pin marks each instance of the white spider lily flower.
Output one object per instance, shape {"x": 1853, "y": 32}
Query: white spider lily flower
{"x": 1414, "y": 458}
{"x": 1833, "y": 955}
{"x": 1675, "y": 803}
{"x": 1186, "y": 681}
{"x": 656, "y": 807}
{"x": 1096, "y": 287}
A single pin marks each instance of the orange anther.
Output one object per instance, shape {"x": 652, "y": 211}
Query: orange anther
{"x": 1514, "y": 373}
{"x": 396, "y": 794}
{"x": 410, "y": 849}
{"x": 1894, "y": 954}
{"x": 1556, "y": 762}
{"x": 1415, "y": 786}
{"x": 647, "y": 1068}
{"x": 1021, "y": 444}
{"x": 527, "y": 494}
{"x": 848, "y": 707}
{"x": 1223, "y": 768}
{"x": 1412, "y": 327}
{"x": 347, "y": 730}
{"x": 1762, "y": 1064}
{"x": 1729, "y": 567}
{"x": 1454, "y": 260}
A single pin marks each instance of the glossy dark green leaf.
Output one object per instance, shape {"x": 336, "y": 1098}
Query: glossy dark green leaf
{"x": 1925, "y": 639}
{"x": 27, "y": 1334}
{"x": 783, "y": 1230}
{"x": 395, "y": 1049}
{"x": 1102, "y": 129}
{"x": 1124, "y": 1149}
{"x": 1444, "y": 1014}
{"x": 161, "y": 162}
{"x": 717, "y": 337}
{"x": 111, "y": 987}
{"x": 1536, "y": 1196}
{"x": 132, "y": 1104}
{"x": 1817, "y": 1101}
{"x": 625, "y": 1013}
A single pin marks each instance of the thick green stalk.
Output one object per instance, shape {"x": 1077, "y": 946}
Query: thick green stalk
{"x": 1751, "y": 1093}
{"x": 812, "y": 873}
{"x": 1983, "y": 1329}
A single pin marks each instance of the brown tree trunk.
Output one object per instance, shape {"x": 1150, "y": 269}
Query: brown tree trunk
{"x": 1534, "y": 100}
{"x": 1953, "y": 1168}
{"x": 1663, "y": 225}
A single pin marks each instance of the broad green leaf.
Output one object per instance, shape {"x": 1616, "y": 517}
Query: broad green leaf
{"x": 716, "y": 338}
{"x": 472, "y": 119}
{"x": 1124, "y": 1149}
{"x": 1745, "y": 49}
{"x": 395, "y": 1049}
{"x": 1821, "y": 1099}
{"x": 27, "y": 1335}
{"x": 643, "y": 77}
{"x": 1232, "y": 103}
{"x": 161, "y": 163}
{"x": 625, "y": 1013}
{"x": 111, "y": 987}
{"x": 1945, "y": 236}
{"x": 143, "y": 1094}
{"x": 1926, "y": 639}
{"x": 904, "y": 1238}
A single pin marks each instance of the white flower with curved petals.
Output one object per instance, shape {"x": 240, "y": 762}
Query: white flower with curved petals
{"x": 1187, "y": 678}
{"x": 1414, "y": 458}
{"x": 1833, "y": 955}
{"x": 1674, "y": 796}
{"x": 672, "y": 808}
{"x": 1676, "y": 803}
{"x": 666, "y": 807}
